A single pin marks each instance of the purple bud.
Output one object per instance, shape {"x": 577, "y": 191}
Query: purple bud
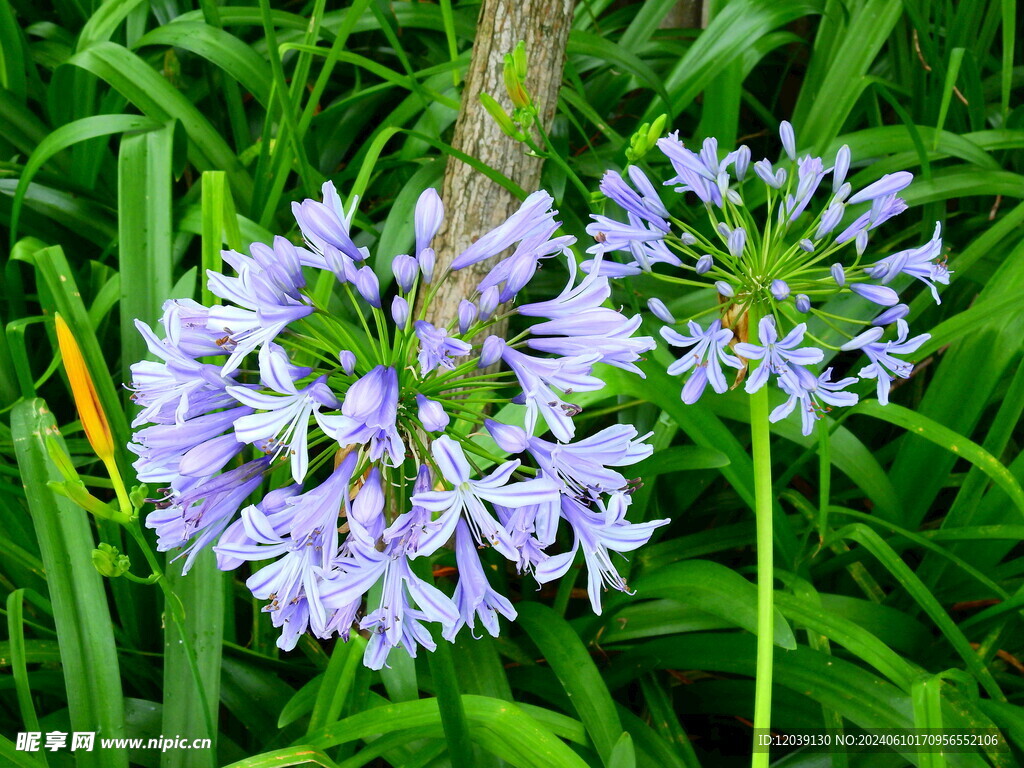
{"x": 404, "y": 268}
{"x": 891, "y": 315}
{"x": 509, "y": 437}
{"x": 829, "y": 219}
{"x": 424, "y": 480}
{"x": 841, "y": 167}
{"x": 347, "y": 360}
{"x": 660, "y": 311}
{"x": 686, "y": 238}
{"x": 806, "y": 245}
{"x": 803, "y": 303}
{"x": 427, "y": 260}
{"x": 400, "y": 312}
{"x": 737, "y": 239}
{"x": 467, "y": 314}
{"x": 367, "y": 285}
{"x": 704, "y": 264}
{"x": 889, "y": 184}
{"x": 843, "y": 192}
{"x": 838, "y": 274}
{"x": 780, "y": 289}
{"x": 788, "y": 139}
{"x": 869, "y": 336}
{"x": 431, "y": 414}
{"x": 861, "y": 242}
{"x": 490, "y": 351}
{"x": 742, "y": 162}
{"x": 723, "y": 229}
{"x": 780, "y": 178}
{"x": 724, "y": 289}
{"x": 427, "y": 219}
{"x": 488, "y": 302}
{"x": 766, "y": 173}
{"x": 879, "y": 294}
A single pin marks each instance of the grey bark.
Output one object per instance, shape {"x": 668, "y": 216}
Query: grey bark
{"x": 473, "y": 203}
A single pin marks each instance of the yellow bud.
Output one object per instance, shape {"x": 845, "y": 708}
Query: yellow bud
{"x": 94, "y": 421}
{"x": 513, "y": 84}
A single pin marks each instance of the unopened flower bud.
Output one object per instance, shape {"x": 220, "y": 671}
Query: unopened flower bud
{"x": 724, "y": 289}
{"x": 347, "y": 360}
{"x": 891, "y": 315}
{"x": 509, "y": 437}
{"x": 660, "y": 311}
{"x": 704, "y": 264}
{"x": 400, "y": 312}
{"x": 491, "y": 351}
{"x": 467, "y": 314}
{"x": 404, "y": 268}
{"x": 780, "y": 289}
{"x": 803, "y": 303}
{"x": 431, "y": 414}
{"x": 109, "y": 562}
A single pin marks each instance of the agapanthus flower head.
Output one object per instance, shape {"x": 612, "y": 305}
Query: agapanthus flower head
{"x": 371, "y": 445}
{"x": 809, "y": 247}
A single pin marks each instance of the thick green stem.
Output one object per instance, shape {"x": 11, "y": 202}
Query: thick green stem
{"x": 761, "y": 448}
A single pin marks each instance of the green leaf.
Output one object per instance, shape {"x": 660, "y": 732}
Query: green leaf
{"x": 950, "y": 440}
{"x": 153, "y": 95}
{"x": 220, "y": 48}
{"x": 568, "y": 658}
{"x": 714, "y": 589}
{"x": 84, "y": 630}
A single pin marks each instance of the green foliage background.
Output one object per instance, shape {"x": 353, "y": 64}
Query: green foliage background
{"x": 138, "y": 136}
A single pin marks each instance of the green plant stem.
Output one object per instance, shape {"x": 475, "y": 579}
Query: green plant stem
{"x": 761, "y": 449}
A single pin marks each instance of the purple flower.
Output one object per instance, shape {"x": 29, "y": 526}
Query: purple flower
{"x": 814, "y": 401}
{"x": 467, "y": 497}
{"x": 916, "y": 262}
{"x": 474, "y": 596}
{"x": 302, "y": 544}
{"x": 645, "y": 244}
{"x": 598, "y": 533}
{"x": 882, "y": 209}
{"x": 773, "y": 178}
{"x": 368, "y": 414}
{"x": 585, "y": 327}
{"x": 197, "y": 511}
{"x": 535, "y": 213}
{"x": 890, "y": 184}
{"x": 540, "y": 377}
{"x": 283, "y": 425}
{"x": 783, "y": 358}
{"x": 437, "y": 347}
{"x": 697, "y": 173}
{"x": 780, "y": 289}
{"x": 394, "y": 622}
{"x": 704, "y": 264}
{"x": 162, "y": 448}
{"x": 326, "y": 225}
{"x": 582, "y": 469}
{"x": 884, "y": 366}
{"x": 178, "y": 388}
{"x": 803, "y": 303}
{"x": 648, "y": 208}
{"x": 709, "y": 352}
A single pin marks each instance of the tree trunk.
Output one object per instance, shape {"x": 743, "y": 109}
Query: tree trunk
{"x": 473, "y": 203}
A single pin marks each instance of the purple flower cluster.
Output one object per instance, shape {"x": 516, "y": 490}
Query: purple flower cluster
{"x": 774, "y": 271}
{"x": 290, "y": 435}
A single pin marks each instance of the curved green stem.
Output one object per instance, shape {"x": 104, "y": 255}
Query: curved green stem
{"x": 761, "y": 449}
